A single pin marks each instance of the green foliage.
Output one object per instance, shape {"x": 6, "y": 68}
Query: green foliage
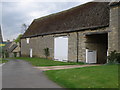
{"x": 15, "y": 54}
{"x": 114, "y": 57}
{"x": 0, "y": 49}
{"x": 18, "y": 38}
{"x": 6, "y": 54}
{"x": 3, "y": 61}
{"x": 46, "y": 52}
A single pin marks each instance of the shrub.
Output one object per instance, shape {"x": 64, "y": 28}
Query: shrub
{"x": 46, "y": 52}
{"x": 114, "y": 57}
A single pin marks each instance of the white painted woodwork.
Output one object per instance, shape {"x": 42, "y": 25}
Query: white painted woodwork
{"x": 61, "y": 48}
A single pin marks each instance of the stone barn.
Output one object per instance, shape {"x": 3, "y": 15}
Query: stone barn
{"x": 84, "y": 33}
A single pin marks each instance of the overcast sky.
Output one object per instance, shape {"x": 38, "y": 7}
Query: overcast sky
{"x": 16, "y": 13}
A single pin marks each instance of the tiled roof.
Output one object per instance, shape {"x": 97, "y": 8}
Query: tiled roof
{"x": 89, "y": 15}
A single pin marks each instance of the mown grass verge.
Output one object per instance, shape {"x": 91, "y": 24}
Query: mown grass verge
{"x": 46, "y": 62}
{"x": 105, "y": 76}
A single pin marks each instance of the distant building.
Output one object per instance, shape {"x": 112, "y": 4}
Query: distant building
{"x": 11, "y": 49}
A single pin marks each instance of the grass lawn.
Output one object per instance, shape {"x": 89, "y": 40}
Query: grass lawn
{"x": 3, "y": 60}
{"x": 46, "y": 62}
{"x": 105, "y": 76}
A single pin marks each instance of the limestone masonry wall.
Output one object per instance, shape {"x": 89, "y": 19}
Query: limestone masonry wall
{"x": 114, "y": 35}
{"x": 38, "y": 44}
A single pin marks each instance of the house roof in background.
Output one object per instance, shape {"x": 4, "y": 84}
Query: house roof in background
{"x": 17, "y": 49}
{"x": 12, "y": 47}
{"x": 86, "y": 16}
{"x": 7, "y": 45}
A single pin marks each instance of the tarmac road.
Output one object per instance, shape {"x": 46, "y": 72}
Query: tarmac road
{"x": 20, "y": 74}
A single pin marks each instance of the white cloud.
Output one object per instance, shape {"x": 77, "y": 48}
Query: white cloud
{"x": 37, "y": 14}
{"x": 14, "y": 14}
{"x": 12, "y": 37}
{"x": 46, "y": 0}
{"x": 1, "y": 13}
{"x": 59, "y": 0}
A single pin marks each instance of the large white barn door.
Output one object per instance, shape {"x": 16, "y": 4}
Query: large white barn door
{"x": 91, "y": 56}
{"x": 61, "y": 48}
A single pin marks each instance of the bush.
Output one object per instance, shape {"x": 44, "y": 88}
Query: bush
{"x": 114, "y": 57}
{"x": 46, "y": 52}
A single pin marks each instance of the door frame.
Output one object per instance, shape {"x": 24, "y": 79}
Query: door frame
{"x": 31, "y": 52}
{"x": 58, "y": 59}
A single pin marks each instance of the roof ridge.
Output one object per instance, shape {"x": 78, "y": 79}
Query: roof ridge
{"x": 57, "y": 13}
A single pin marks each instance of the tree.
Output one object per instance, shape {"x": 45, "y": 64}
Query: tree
{"x": 18, "y": 38}
{"x": 24, "y": 28}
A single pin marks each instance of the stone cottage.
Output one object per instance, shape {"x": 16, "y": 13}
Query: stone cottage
{"x": 11, "y": 49}
{"x": 84, "y": 33}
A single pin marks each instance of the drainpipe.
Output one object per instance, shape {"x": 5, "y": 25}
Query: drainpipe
{"x": 77, "y": 45}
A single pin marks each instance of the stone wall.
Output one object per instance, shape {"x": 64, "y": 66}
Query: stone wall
{"x": 114, "y": 35}
{"x": 72, "y": 47}
{"x": 25, "y": 48}
{"x": 83, "y": 45}
{"x": 37, "y": 44}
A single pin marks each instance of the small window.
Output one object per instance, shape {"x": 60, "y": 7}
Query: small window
{"x": 28, "y": 40}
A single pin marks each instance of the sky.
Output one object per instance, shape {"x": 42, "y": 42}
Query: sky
{"x": 14, "y": 13}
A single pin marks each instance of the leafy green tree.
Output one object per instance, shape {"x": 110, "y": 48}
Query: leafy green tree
{"x": 18, "y": 38}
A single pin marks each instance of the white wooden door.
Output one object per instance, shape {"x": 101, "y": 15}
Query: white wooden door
{"x": 61, "y": 48}
{"x": 91, "y": 56}
{"x": 31, "y": 52}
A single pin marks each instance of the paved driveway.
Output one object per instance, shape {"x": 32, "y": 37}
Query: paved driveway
{"x": 20, "y": 74}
